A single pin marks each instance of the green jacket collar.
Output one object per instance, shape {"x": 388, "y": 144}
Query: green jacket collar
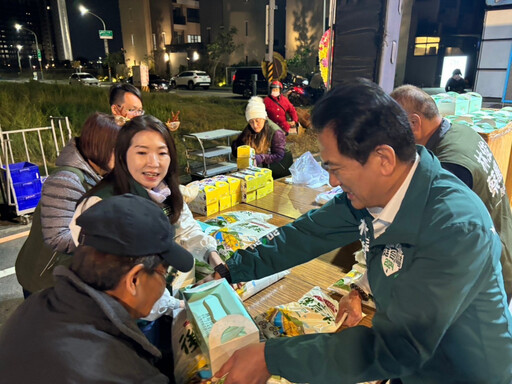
{"x": 406, "y": 226}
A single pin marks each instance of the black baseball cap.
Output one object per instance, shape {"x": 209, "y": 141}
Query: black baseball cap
{"x": 129, "y": 225}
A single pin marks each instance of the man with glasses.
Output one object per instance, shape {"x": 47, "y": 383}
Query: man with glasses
{"x": 432, "y": 252}
{"x": 126, "y": 101}
{"x": 84, "y": 329}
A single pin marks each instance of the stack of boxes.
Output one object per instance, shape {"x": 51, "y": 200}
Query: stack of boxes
{"x": 452, "y": 103}
{"x": 221, "y": 192}
{"x": 245, "y": 156}
{"x": 26, "y": 185}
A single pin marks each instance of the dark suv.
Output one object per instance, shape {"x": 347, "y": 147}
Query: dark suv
{"x": 242, "y": 81}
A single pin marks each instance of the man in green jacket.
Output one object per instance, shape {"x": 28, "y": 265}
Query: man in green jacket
{"x": 432, "y": 253}
{"x": 465, "y": 154}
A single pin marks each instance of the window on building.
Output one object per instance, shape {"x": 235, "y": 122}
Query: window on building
{"x": 426, "y": 46}
{"x": 246, "y": 28}
{"x": 154, "y": 41}
{"x": 192, "y": 15}
{"x": 177, "y": 16}
{"x": 178, "y": 37}
{"x": 133, "y": 39}
{"x": 208, "y": 35}
{"x": 164, "y": 38}
{"x": 193, "y": 38}
{"x": 130, "y": 15}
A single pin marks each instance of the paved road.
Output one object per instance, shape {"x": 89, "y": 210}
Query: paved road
{"x": 219, "y": 92}
{"x": 12, "y": 237}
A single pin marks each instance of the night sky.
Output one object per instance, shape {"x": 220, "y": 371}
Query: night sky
{"x": 85, "y": 39}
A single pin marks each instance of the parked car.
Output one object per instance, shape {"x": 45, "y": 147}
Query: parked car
{"x": 156, "y": 83}
{"x": 191, "y": 79}
{"x": 83, "y": 78}
{"x": 243, "y": 84}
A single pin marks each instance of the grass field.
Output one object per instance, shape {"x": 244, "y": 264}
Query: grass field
{"x": 29, "y": 105}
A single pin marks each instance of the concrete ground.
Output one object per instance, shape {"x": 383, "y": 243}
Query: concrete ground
{"x": 12, "y": 237}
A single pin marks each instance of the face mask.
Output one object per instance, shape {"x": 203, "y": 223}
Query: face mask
{"x": 275, "y": 92}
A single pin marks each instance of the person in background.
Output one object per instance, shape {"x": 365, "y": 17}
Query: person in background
{"x": 81, "y": 165}
{"x": 278, "y": 106}
{"x": 456, "y": 83}
{"x": 83, "y": 330}
{"x": 432, "y": 252}
{"x": 125, "y": 101}
{"x": 463, "y": 152}
{"x": 262, "y": 134}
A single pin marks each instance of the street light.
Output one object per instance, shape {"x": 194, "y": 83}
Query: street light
{"x": 85, "y": 11}
{"x": 19, "y": 60}
{"x": 39, "y": 58}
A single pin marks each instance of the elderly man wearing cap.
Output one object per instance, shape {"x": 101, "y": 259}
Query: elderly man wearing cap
{"x": 83, "y": 330}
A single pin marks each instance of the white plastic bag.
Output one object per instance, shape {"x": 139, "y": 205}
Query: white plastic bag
{"x": 306, "y": 170}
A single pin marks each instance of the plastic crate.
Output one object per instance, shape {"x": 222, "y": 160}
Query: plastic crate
{"x": 28, "y": 201}
{"x": 28, "y": 188}
{"x": 23, "y": 172}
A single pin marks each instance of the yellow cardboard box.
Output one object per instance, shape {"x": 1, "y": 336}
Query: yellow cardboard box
{"x": 247, "y": 197}
{"x": 261, "y": 178}
{"x": 236, "y": 198}
{"x": 233, "y": 182}
{"x": 207, "y": 194}
{"x": 224, "y": 202}
{"x": 267, "y": 172}
{"x": 262, "y": 192}
{"x": 248, "y": 183}
{"x": 203, "y": 209}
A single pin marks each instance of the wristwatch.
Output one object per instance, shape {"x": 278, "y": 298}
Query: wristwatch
{"x": 362, "y": 294}
{"x": 223, "y": 271}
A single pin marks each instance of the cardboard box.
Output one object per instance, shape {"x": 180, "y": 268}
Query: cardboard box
{"x": 224, "y": 202}
{"x": 248, "y": 183}
{"x": 262, "y": 192}
{"x": 247, "y": 197}
{"x": 261, "y": 178}
{"x": 451, "y": 103}
{"x": 206, "y": 195}
{"x": 270, "y": 186}
{"x": 475, "y": 101}
{"x": 233, "y": 182}
{"x": 222, "y": 323}
{"x": 266, "y": 171}
{"x": 245, "y": 157}
{"x": 236, "y": 198}
{"x": 203, "y": 209}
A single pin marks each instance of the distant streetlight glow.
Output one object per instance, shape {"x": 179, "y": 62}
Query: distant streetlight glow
{"x": 39, "y": 57}
{"x": 19, "y": 60}
{"x": 84, "y": 11}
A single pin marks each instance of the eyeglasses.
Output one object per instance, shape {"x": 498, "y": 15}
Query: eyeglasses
{"x": 165, "y": 274}
{"x": 133, "y": 111}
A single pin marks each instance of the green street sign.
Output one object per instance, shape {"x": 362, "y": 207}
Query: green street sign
{"x": 106, "y": 34}
{"x": 39, "y": 54}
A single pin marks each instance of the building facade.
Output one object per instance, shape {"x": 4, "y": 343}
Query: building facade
{"x": 160, "y": 34}
{"x": 47, "y": 19}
